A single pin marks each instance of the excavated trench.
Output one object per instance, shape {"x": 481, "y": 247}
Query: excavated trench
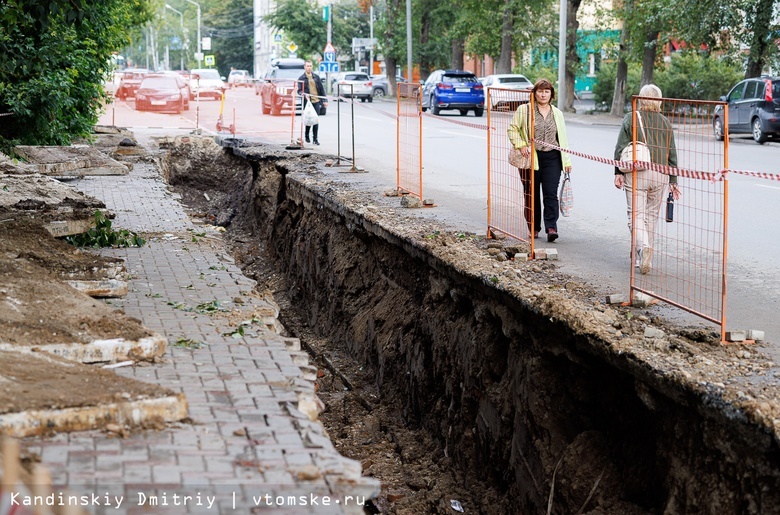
{"x": 535, "y": 400}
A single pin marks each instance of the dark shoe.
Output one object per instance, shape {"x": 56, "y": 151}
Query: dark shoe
{"x": 552, "y": 235}
{"x": 307, "y": 139}
{"x": 316, "y": 142}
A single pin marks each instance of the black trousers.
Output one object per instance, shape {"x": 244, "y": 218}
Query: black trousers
{"x": 314, "y": 128}
{"x": 546, "y": 178}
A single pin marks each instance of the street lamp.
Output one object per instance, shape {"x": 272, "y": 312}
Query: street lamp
{"x": 181, "y": 21}
{"x": 200, "y": 54}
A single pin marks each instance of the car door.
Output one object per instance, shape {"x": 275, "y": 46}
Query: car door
{"x": 735, "y": 100}
{"x": 428, "y": 87}
{"x": 748, "y": 104}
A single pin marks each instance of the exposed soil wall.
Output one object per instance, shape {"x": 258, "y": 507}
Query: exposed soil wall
{"x": 523, "y": 384}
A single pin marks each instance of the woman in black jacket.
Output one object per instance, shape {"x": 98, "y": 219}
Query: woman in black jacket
{"x": 310, "y": 86}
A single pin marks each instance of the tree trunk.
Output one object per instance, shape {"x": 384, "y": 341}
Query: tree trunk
{"x": 458, "y": 47}
{"x": 759, "y": 43}
{"x": 504, "y": 62}
{"x": 390, "y": 70}
{"x": 648, "y": 57}
{"x": 572, "y": 59}
{"x": 619, "y": 96}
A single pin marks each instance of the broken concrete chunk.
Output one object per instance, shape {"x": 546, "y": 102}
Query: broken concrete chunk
{"x": 653, "y": 332}
{"x": 754, "y": 334}
{"x": 411, "y": 202}
{"x": 616, "y": 298}
{"x": 70, "y": 161}
{"x": 736, "y": 336}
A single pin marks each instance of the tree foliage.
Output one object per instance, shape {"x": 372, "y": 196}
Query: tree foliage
{"x": 230, "y": 24}
{"x": 55, "y": 57}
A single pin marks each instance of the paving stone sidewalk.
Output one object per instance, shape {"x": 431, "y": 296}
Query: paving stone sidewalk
{"x": 253, "y": 443}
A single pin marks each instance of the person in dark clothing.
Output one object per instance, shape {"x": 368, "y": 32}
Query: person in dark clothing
{"x": 310, "y": 86}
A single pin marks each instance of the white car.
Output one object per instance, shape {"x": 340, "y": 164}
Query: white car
{"x": 505, "y": 102}
{"x": 206, "y": 82}
{"x": 355, "y": 85}
{"x": 239, "y": 78}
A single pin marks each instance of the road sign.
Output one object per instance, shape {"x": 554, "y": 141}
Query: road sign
{"x": 292, "y": 47}
{"x": 205, "y": 43}
{"x": 329, "y": 57}
{"x": 209, "y": 60}
{"x": 329, "y": 67}
{"x": 329, "y": 49}
{"x": 277, "y": 38}
{"x": 367, "y": 43}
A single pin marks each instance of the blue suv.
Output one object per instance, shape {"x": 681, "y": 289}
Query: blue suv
{"x": 453, "y": 89}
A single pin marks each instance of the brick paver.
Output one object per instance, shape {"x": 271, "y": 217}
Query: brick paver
{"x": 246, "y": 437}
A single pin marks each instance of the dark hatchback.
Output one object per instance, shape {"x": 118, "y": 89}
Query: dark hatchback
{"x": 453, "y": 89}
{"x": 753, "y": 107}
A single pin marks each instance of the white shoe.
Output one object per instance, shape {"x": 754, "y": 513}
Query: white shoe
{"x": 647, "y": 257}
{"x": 638, "y": 258}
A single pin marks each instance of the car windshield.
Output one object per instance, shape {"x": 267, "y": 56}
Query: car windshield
{"x": 159, "y": 83}
{"x": 776, "y": 89}
{"x": 459, "y": 79}
{"x": 513, "y": 80}
{"x": 289, "y": 73}
{"x": 134, "y": 76}
{"x": 356, "y": 76}
{"x": 207, "y": 74}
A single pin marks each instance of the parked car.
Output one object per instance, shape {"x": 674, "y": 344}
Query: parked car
{"x": 355, "y": 85}
{"x": 162, "y": 92}
{"x": 129, "y": 82}
{"x": 753, "y": 107}
{"x": 453, "y": 89}
{"x": 506, "y": 102}
{"x": 206, "y": 82}
{"x": 239, "y": 78}
{"x": 277, "y": 86}
{"x": 380, "y": 84}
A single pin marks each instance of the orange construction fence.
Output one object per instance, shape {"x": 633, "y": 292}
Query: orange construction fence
{"x": 409, "y": 145}
{"x": 509, "y": 195}
{"x": 680, "y": 244}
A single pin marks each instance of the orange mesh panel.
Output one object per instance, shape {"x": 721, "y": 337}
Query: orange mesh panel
{"x": 409, "y": 150}
{"x": 507, "y": 202}
{"x": 687, "y": 265}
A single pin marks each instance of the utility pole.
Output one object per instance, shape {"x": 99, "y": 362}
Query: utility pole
{"x": 200, "y": 52}
{"x": 371, "y": 35}
{"x": 562, "y": 55}
{"x": 409, "y": 40}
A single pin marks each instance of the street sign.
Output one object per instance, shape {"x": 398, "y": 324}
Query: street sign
{"x": 277, "y": 38}
{"x": 329, "y": 67}
{"x": 367, "y": 43}
{"x": 205, "y": 43}
{"x": 292, "y": 47}
{"x": 329, "y": 57}
{"x": 329, "y": 49}
{"x": 209, "y": 60}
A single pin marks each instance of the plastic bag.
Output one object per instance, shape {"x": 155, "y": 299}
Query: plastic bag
{"x": 310, "y": 116}
{"x": 566, "y": 196}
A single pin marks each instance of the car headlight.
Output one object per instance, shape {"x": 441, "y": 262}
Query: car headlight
{"x": 174, "y": 97}
{"x": 281, "y": 90}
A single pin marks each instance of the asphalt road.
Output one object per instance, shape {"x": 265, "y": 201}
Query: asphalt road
{"x": 594, "y": 242}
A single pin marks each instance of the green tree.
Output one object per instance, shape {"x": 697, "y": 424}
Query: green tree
{"x": 54, "y": 61}
{"x": 230, "y": 24}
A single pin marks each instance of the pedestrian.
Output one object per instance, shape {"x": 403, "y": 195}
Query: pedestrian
{"x": 311, "y": 88}
{"x": 655, "y": 130}
{"x": 549, "y": 127}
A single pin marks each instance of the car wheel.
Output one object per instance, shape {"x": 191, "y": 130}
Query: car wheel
{"x": 463, "y": 112}
{"x": 436, "y": 110}
{"x": 378, "y": 93}
{"x": 478, "y": 112}
{"x": 370, "y": 99}
{"x": 717, "y": 128}
{"x": 276, "y": 111}
{"x": 265, "y": 109}
{"x": 759, "y": 136}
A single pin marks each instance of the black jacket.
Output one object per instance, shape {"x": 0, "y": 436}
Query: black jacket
{"x": 303, "y": 85}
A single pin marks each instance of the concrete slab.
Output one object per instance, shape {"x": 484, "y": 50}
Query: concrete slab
{"x": 66, "y": 407}
{"x": 73, "y": 161}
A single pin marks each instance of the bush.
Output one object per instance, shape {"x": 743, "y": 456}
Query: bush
{"x": 690, "y": 75}
{"x": 539, "y": 71}
{"x": 694, "y": 76}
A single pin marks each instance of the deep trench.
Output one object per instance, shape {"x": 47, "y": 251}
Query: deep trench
{"x": 519, "y": 399}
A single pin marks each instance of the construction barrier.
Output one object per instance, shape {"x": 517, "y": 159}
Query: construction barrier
{"x": 687, "y": 237}
{"x": 409, "y": 143}
{"x": 509, "y": 208}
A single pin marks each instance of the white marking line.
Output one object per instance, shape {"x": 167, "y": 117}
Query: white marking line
{"x": 462, "y": 134}
{"x": 767, "y": 186}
